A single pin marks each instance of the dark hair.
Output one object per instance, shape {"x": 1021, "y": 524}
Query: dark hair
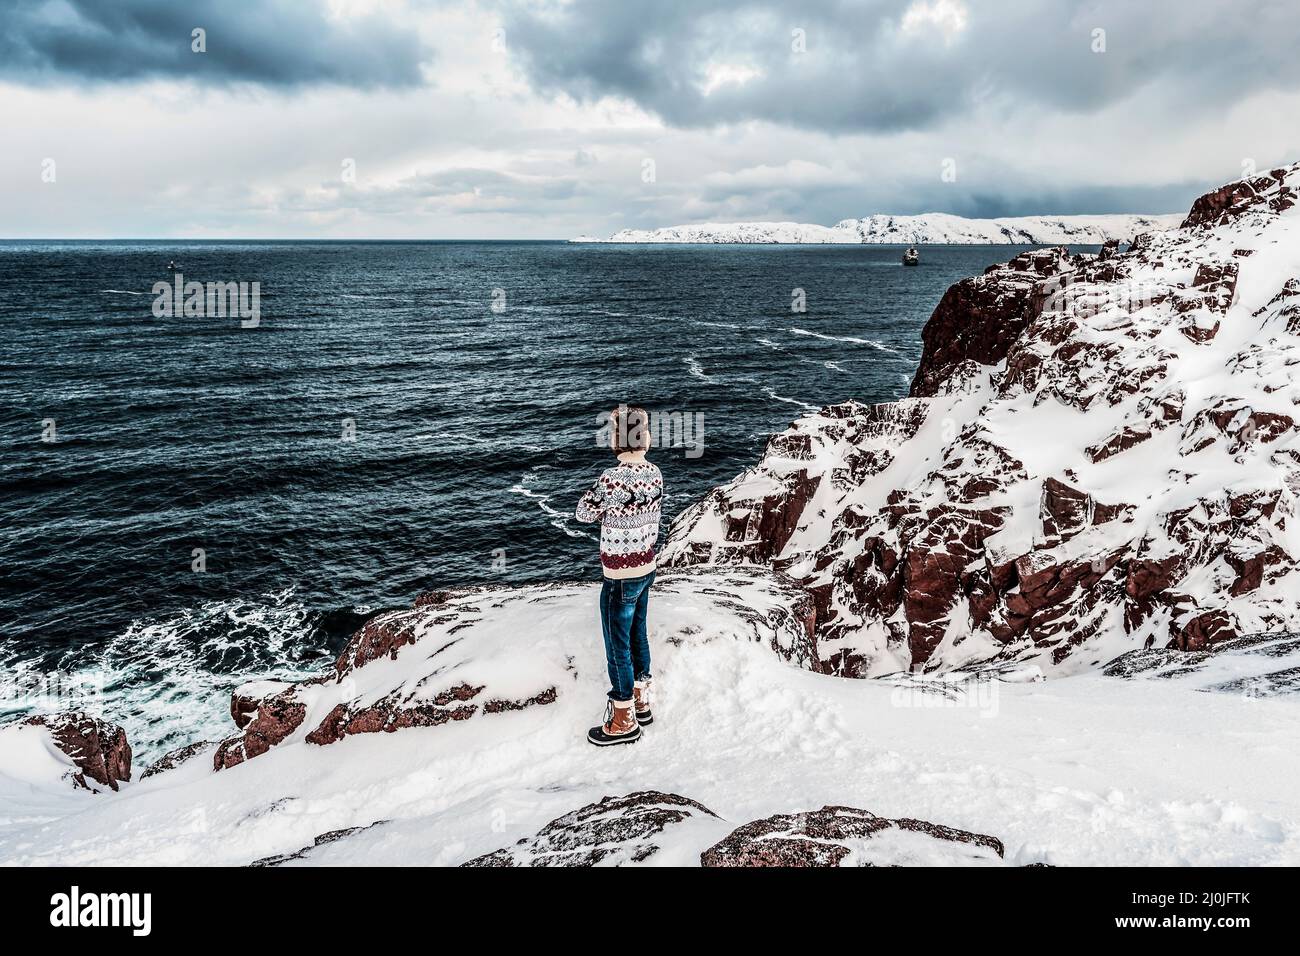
{"x": 629, "y": 427}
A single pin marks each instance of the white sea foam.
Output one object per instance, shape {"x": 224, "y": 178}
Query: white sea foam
{"x": 696, "y": 369}
{"x": 561, "y": 520}
{"x": 790, "y": 401}
{"x": 844, "y": 338}
{"x": 167, "y": 679}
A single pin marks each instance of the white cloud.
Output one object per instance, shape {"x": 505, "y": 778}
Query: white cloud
{"x": 727, "y": 74}
{"x": 944, "y": 17}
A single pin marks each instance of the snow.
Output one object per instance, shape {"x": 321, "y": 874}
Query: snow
{"x": 931, "y": 227}
{"x": 1087, "y": 769}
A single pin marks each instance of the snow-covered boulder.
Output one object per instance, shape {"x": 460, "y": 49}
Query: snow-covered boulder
{"x": 844, "y": 836}
{"x": 177, "y": 758}
{"x": 615, "y": 831}
{"x": 1096, "y": 452}
{"x": 91, "y": 753}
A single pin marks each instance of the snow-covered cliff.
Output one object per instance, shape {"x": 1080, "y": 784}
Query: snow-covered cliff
{"x": 1098, "y": 452}
{"x": 932, "y": 227}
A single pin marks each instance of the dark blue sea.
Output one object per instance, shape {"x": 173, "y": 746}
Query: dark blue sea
{"x": 472, "y": 432}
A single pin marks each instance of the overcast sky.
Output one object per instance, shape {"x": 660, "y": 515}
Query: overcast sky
{"x": 534, "y": 119}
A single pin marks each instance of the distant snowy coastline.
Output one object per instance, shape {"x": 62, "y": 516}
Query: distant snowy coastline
{"x": 930, "y": 227}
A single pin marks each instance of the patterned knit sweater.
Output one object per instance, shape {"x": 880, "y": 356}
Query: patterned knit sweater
{"x": 625, "y": 500}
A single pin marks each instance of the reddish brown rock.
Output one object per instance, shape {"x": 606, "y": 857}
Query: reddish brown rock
{"x": 1227, "y": 202}
{"x": 1212, "y": 290}
{"x": 382, "y": 636}
{"x": 399, "y": 711}
{"x": 98, "y": 748}
{"x": 979, "y": 319}
{"x": 1125, "y": 438}
{"x": 934, "y": 566}
{"x": 270, "y": 721}
{"x": 1205, "y": 630}
{"x": 830, "y": 836}
{"x": 1064, "y": 510}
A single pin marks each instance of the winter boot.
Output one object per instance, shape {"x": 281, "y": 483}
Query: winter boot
{"x": 641, "y": 696}
{"x": 620, "y": 726}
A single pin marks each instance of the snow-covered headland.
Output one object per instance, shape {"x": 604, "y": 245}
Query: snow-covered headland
{"x": 931, "y": 227}
{"x": 1041, "y": 610}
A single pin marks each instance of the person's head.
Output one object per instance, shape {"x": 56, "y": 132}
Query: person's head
{"x": 629, "y": 430}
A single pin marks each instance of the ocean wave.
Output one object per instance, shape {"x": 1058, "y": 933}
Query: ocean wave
{"x": 559, "y": 519}
{"x": 844, "y": 338}
{"x": 119, "y": 292}
{"x": 790, "y": 401}
{"x": 696, "y": 369}
{"x": 167, "y": 679}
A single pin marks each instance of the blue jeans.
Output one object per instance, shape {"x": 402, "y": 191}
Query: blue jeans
{"x": 623, "y": 606}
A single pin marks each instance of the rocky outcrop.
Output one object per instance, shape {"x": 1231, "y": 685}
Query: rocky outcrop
{"x": 324, "y": 839}
{"x": 1255, "y": 665}
{"x": 395, "y": 712}
{"x": 844, "y": 836}
{"x": 1097, "y": 451}
{"x": 1274, "y": 191}
{"x": 615, "y": 831}
{"x": 97, "y": 748}
{"x": 979, "y": 319}
{"x": 176, "y": 758}
{"x": 266, "y": 721}
{"x": 456, "y": 656}
{"x": 630, "y": 830}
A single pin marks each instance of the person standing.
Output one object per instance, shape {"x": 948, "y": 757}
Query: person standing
{"x": 626, "y": 500}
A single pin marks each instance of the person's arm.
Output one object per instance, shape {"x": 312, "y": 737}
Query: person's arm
{"x": 592, "y": 505}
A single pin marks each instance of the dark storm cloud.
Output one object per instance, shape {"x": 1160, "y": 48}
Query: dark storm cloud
{"x": 871, "y": 67}
{"x": 270, "y": 42}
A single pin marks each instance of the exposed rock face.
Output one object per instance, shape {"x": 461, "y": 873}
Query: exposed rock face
{"x": 1274, "y": 190}
{"x": 1257, "y": 665}
{"x": 324, "y": 839}
{"x": 175, "y": 758}
{"x": 1096, "y": 452}
{"x": 395, "y": 712}
{"x": 844, "y": 836}
{"x": 616, "y": 831}
{"x": 442, "y": 662}
{"x": 979, "y": 319}
{"x": 265, "y": 721}
{"x": 99, "y": 749}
